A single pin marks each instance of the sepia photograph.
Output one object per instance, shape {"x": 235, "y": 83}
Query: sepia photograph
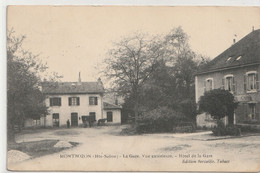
{"x": 133, "y": 88}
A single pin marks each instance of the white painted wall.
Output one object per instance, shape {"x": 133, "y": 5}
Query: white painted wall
{"x": 116, "y": 116}
{"x": 207, "y": 121}
{"x": 65, "y": 110}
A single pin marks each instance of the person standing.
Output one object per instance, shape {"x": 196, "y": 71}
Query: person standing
{"x": 68, "y": 123}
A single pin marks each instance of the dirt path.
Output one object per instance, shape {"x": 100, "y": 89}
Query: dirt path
{"x": 103, "y": 150}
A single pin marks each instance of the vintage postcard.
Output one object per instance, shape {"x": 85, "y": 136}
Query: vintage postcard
{"x": 133, "y": 88}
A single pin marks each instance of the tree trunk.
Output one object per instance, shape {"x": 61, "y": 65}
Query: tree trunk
{"x": 231, "y": 119}
{"x": 188, "y": 88}
{"x": 136, "y": 112}
{"x": 136, "y": 104}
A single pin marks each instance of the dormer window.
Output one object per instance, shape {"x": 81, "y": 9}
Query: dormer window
{"x": 238, "y": 58}
{"x": 229, "y": 59}
{"x": 208, "y": 84}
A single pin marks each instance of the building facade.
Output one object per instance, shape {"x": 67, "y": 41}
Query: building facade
{"x": 236, "y": 70}
{"x": 70, "y": 101}
{"x": 112, "y": 113}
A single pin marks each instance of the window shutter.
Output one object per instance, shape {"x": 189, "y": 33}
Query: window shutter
{"x": 223, "y": 84}
{"x": 59, "y": 101}
{"x": 257, "y": 81}
{"x": 69, "y": 101}
{"x": 245, "y": 86}
{"x": 211, "y": 84}
{"x": 78, "y": 101}
{"x": 205, "y": 86}
{"x": 51, "y": 103}
{"x": 96, "y": 101}
{"x": 233, "y": 85}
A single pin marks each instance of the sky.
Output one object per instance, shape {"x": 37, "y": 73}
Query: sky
{"x": 73, "y": 39}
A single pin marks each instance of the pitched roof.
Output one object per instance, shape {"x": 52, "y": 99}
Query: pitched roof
{"x": 110, "y": 106}
{"x": 72, "y": 87}
{"x": 244, "y": 52}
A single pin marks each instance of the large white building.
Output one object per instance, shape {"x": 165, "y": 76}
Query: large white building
{"x": 76, "y": 102}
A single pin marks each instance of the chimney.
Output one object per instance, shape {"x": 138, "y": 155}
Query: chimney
{"x": 79, "y": 80}
{"x": 234, "y": 40}
{"x": 253, "y": 28}
{"x": 99, "y": 81}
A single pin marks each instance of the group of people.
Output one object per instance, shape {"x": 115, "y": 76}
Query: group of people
{"x": 87, "y": 123}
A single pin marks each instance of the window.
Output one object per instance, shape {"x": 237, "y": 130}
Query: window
{"x": 251, "y": 82}
{"x": 36, "y": 121}
{"x": 93, "y": 115}
{"x": 252, "y": 114}
{"x": 109, "y": 116}
{"x": 208, "y": 84}
{"x": 73, "y": 101}
{"x": 55, "y": 101}
{"x": 93, "y": 101}
{"x": 238, "y": 58}
{"x": 229, "y": 58}
{"x": 55, "y": 119}
{"x": 228, "y": 83}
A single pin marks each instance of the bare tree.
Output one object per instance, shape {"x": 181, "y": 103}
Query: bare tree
{"x": 130, "y": 63}
{"x": 134, "y": 62}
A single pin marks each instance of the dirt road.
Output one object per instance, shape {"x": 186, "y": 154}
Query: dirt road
{"x": 103, "y": 149}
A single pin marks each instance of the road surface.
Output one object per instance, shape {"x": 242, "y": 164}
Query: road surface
{"x": 103, "y": 149}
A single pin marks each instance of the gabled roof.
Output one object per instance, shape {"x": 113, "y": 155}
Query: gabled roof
{"x": 244, "y": 52}
{"x": 72, "y": 87}
{"x": 110, "y": 106}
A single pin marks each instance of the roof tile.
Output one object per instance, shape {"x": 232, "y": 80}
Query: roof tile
{"x": 248, "y": 49}
{"x": 111, "y": 106}
{"x": 72, "y": 87}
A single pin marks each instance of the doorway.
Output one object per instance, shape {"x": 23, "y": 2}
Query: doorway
{"x": 74, "y": 119}
{"x": 109, "y": 116}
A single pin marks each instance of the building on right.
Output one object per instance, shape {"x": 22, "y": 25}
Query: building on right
{"x": 236, "y": 70}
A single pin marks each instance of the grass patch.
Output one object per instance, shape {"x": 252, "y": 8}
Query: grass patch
{"x": 37, "y": 148}
{"x": 131, "y": 130}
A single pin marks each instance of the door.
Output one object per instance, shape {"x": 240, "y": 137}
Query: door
{"x": 93, "y": 116}
{"x": 74, "y": 119}
{"x": 55, "y": 120}
{"x": 109, "y": 116}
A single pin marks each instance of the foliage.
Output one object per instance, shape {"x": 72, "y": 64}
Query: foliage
{"x": 161, "y": 119}
{"x": 189, "y": 108}
{"x": 249, "y": 129}
{"x": 24, "y": 99}
{"x": 155, "y": 71}
{"x": 184, "y": 127}
{"x": 130, "y": 64}
{"x": 222, "y": 130}
{"x": 218, "y": 103}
